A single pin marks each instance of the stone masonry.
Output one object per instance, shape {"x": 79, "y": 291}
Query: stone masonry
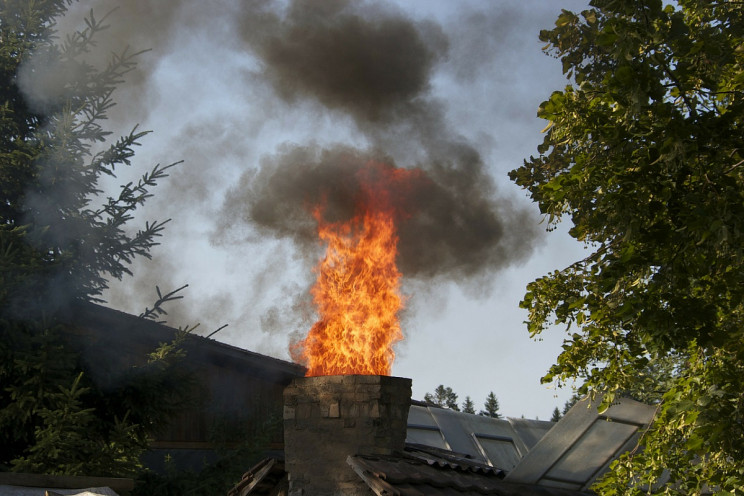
{"x": 329, "y": 418}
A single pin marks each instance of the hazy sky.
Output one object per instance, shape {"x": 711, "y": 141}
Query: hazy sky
{"x": 266, "y": 100}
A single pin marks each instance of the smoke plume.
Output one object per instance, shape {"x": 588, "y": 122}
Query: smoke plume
{"x": 358, "y": 58}
{"x": 365, "y": 70}
{"x": 456, "y": 229}
{"x": 375, "y": 65}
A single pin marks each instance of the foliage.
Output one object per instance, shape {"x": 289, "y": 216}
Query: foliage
{"x": 78, "y": 451}
{"x": 59, "y": 244}
{"x": 656, "y": 378}
{"x": 468, "y": 406}
{"x": 643, "y": 153}
{"x": 34, "y": 363}
{"x": 556, "y": 415}
{"x": 56, "y": 242}
{"x": 217, "y": 477}
{"x": 444, "y": 397}
{"x": 491, "y": 406}
{"x": 570, "y": 402}
{"x": 55, "y": 419}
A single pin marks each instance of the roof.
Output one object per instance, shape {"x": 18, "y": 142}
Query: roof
{"x": 123, "y": 331}
{"x": 450, "y": 453}
{"x": 581, "y": 446}
{"x": 417, "y": 473}
{"x": 263, "y": 478}
{"x": 571, "y": 453}
{"x": 498, "y": 442}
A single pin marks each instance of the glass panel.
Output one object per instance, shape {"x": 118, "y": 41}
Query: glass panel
{"x": 426, "y": 437}
{"x": 501, "y": 452}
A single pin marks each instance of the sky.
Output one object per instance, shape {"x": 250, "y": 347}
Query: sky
{"x": 268, "y": 103}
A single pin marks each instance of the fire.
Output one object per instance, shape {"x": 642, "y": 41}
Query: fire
{"x": 357, "y": 292}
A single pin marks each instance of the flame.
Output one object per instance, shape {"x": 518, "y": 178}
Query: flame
{"x": 357, "y": 292}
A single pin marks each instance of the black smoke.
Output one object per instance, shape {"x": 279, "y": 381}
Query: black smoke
{"x": 456, "y": 229}
{"x": 372, "y": 63}
{"x": 366, "y": 65}
{"x": 367, "y": 61}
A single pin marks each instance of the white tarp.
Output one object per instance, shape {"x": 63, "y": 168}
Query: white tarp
{"x": 42, "y": 491}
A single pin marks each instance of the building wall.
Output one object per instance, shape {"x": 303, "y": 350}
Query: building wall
{"x": 238, "y": 392}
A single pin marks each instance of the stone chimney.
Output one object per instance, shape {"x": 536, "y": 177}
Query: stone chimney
{"x": 329, "y": 418}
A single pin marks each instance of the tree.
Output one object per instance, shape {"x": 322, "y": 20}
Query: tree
{"x": 444, "y": 397}
{"x": 468, "y": 406}
{"x": 656, "y": 378}
{"x": 556, "y": 415}
{"x": 60, "y": 242}
{"x": 491, "y": 406}
{"x": 570, "y": 402}
{"x": 643, "y": 154}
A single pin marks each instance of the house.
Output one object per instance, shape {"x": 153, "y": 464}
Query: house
{"x": 238, "y": 390}
{"x": 357, "y": 434}
{"x": 361, "y": 435}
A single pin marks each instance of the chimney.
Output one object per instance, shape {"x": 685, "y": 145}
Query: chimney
{"x": 329, "y": 418}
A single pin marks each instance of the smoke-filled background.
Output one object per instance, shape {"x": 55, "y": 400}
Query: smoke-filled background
{"x": 274, "y": 105}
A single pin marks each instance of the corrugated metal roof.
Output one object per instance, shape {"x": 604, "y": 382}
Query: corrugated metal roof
{"x": 410, "y": 475}
{"x": 449, "y": 459}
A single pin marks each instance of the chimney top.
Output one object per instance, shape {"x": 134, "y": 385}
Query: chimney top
{"x": 329, "y": 418}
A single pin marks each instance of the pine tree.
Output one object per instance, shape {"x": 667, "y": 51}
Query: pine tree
{"x": 444, "y": 397}
{"x": 60, "y": 243}
{"x": 491, "y": 406}
{"x": 468, "y": 406}
{"x": 570, "y": 402}
{"x": 556, "y": 415}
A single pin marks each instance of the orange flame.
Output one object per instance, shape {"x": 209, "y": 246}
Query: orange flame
{"x": 357, "y": 292}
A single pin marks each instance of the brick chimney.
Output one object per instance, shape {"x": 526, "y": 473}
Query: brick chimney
{"x": 329, "y": 418}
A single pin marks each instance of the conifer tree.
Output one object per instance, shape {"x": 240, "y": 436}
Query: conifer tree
{"x": 444, "y": 397}
{"x": 556, "y": 415}
{"x": 60, "y": 243}
{"x": 491, "y": 406}
{"x": 468, "y": 406}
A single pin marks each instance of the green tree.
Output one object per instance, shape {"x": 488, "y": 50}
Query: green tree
{"x": 60, "y": 242}
{"x": 219, "y": 476}
{"x": 468, "y": 406}
{"x": 643, "y": 153}
{"x": 570, "y": 402}
{"x": 444, "y": 397}
{"x": 656, "y": 378}
{"x": 491, "y": 406}
{"x": 556, "y": 415}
